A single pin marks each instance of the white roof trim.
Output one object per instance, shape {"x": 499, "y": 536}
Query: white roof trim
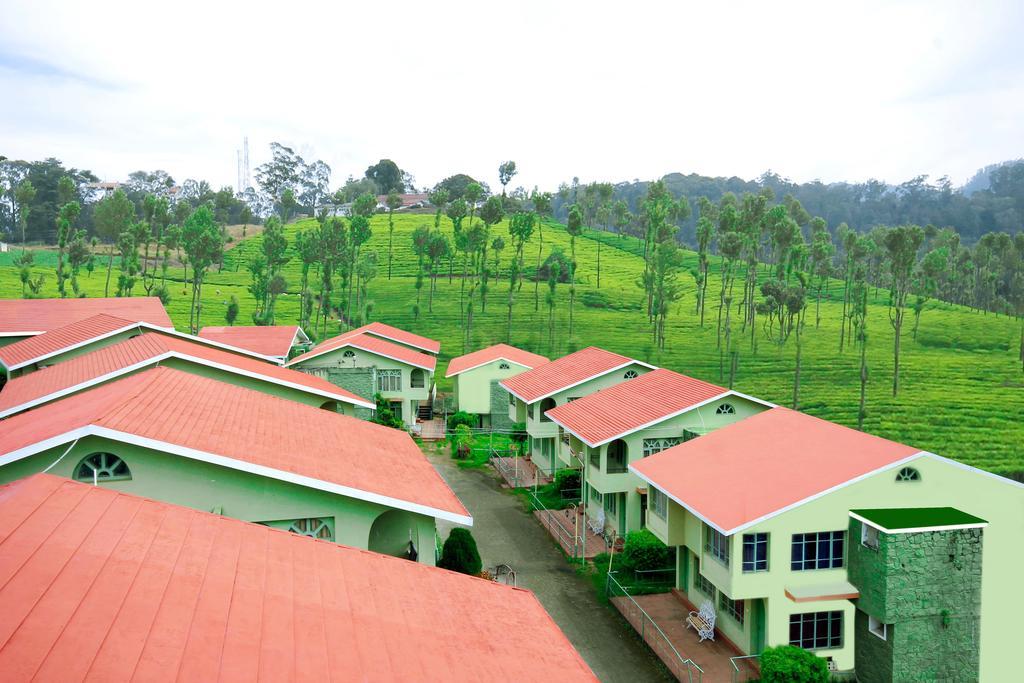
{"x": 975, "y": 470}
{"x": 28, "y": 333}
{"x": 313, "y": 354}
{"x": 575, "y": 384}
{"x": 147, "y": 326}
{"x": 655, "y": 421}
{"x": 785, "y": 508}
{"x": 487, "y": 362}
{"x": 232, "y": 463}
{"x": 155, "y": 360}
{"x": 915, "y": 530}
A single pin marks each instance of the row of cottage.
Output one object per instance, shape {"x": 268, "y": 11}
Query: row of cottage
{"x": 794, "y": 529}
{"x": 178, "y": 507}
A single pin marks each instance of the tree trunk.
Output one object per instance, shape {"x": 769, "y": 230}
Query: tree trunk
{"x": 796, "y": 376}
{"x": 536, "y": 275}
{"x": 110, "y": 266}
{"x": 861, "y": 411}
{"x": 897, "y": 327}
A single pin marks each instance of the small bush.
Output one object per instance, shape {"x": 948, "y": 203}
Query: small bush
{"x": 460, "y": 554}
{"x": 461, "y": 418}
{"x": 462, "y": 442}
{"x": 789, "y": 664}
{"x": 643, "y": 551}
{"x": 384, "y": 415}
{"x": 567, "y": 480}
{"x": 519, "y": 434}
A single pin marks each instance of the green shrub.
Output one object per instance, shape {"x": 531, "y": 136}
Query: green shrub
{"x": 789, "y": 664}
{"x": 519, "y": 434}
{"x": 567, "y": 480}
{"x": 462, "y": 441}
{"x": 461, "y": 418}
{"x": 643, "y": 551}
{"x": 460, "y": 554}
{"x": 384, "y": 415}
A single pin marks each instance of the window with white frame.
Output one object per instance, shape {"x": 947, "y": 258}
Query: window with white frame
{"x": 820, "y": 550}
{"x": 658, "y": 503}
{"x": 389, "y": 380}
{"x": 716, "y": 544}
{"x": 878, "y": 628}
{"x": 816, "y": 630}
{"x": 417, "y": 379}
{"x": 102, "y": 467}
{"x": 726, "y": 409}
{"x": 652, "y": 446}
{"x": 908, "y": 474}
{"x": 755, "y": 552}
{"x": 869, "y": 536}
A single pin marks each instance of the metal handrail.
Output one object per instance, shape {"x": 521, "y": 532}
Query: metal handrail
{"x": 688, "y": 663}
{"x": 736, "y": 669}
{"x": 571, "y": 538}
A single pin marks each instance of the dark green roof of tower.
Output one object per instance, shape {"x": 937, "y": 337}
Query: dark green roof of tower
{"x": 897, "y": 520}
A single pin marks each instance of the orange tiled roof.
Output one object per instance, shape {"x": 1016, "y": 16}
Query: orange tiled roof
{"x": 149, "y": 349}
{"x": 475, "y": 359}
{"x": 564, "y": 372}
{"x": 260, "y": 433}
{"x": 633, "y": 404}
{"x": 35, "y": 316}
{"x": 99, "y": 584}
{"x": 268, "y": 340}
{"x": 379, "y": 329}
{"x": 61, "y": 338}
{"x": 371, "y": 344}
{"x": 763, "y": 464}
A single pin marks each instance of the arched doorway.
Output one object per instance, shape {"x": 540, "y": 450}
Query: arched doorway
{"x": 329, "y": 405}
{"x": 395, "y": 533}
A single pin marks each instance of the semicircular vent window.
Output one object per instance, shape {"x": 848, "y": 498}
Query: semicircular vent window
{"x": 908, "y": 474}
{"x": 102, "y": 467}
{"x": 726, "y": 409}
{"x": 503, "y": 366}
{"x": 349, "y": 353}
{"x": 630, "y": 374}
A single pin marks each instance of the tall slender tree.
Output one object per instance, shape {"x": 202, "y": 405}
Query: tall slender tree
{"x": 573, "y": 226}
{"x": 112, "y": 216}
{"x": 492, "y": 213}
{"x": 521, "y": 229}
{"x": 542, "y": 207}
{"x": 506, "y": 172}
{"x": 394, "y": 202}
{"x": 203, "y": 243}
{"x": 902, "y": 244}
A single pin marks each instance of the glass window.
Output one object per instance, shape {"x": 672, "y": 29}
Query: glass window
{"x": 102, "y": 467}
{"x": 908, "y": 474}
{"x": 734, "y": 608}
{"x": 717, "y": 544}
{"x": 755, "y": 552}
{"x": 511, "y": 400}
{"x": 417, "y": 379}
{"x": 876, "y": 627}
{"x": 689, "y": 436}
{"x": 658, "y": 503}
{"x": 389, "y": 380}
{"x": 349, "y": 353}
{"x": 595, "y": 495}
{"x": 503, "y": 366}
{"x": 314, "y": 527}
{"x": 652, "y": 446}
{"x": 629, "y": 374}
{"x": 869, "y": 536}
{"x": 725, "y": 409}
{"x": 816, "y": 630}
{"x": 616, "y": 457}
{"x": 595, "y": 456}
{"x": 821, "y": 550}
{"x": 611, "y": 503}
{"x": 702, "y": 584}
{"x": 545, "y": 405}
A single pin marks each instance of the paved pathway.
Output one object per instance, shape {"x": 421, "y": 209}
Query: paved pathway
{"x": 506, "y": 533}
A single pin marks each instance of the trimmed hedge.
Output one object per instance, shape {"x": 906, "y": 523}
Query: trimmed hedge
{"x": 643, "y": 550}
{"x": 789, "y": 664}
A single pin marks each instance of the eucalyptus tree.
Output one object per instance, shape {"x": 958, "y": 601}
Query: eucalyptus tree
{"x": 667, "y": 288}
{"x": 858, "y": 303}
{"x": 554, "y": 272}
{"x": 473, "y": 194}
{"x": 506, "y": 172}
{"x": 24, "y": 195}
{"x": 520, "y": 229}
{"x": 308, "y": 248}
{"x": 420, "y": 239}
{"x": 359, "y": 231}
{"x": 901, "y": 244}
{"x": 68, "y": 214}
{"x": 573, "y": 226}
{"x": 79, "y": 255}
{"x": 755, "y": 218}
{"x": 203, "y": 243}
{"x": 926, "y": 281}
{"x": 394, "y": 202}
{"x": 491, "y": 213}
{"x": 848, "y": 238}
{"x": 542, "y": 207}
{"x": 456, "y": 212}
{"x": 730, "y": 248}
{"x": 822, "y": 253}
{"x": 438, "y": 249}
{"x": 366, "y": 271}
{"x": 475, "y": 240}
{"x": 705, "y": 235}
{"x": 112, "y": 216}
{"x": 288, "y": 204}
{"x": 332, "y": 240}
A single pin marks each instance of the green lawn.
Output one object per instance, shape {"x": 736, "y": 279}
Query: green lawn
{"x": 962, "y": 390}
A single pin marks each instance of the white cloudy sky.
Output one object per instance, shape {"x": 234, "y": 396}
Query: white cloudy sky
{"x": 609, "y": 91}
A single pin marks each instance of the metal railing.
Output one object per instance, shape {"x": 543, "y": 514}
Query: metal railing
{"x": 683, "y": 668}
{"x": 569, "y": 540}
{"x": 655, "y": 577}
{"x": 503, "y": 570}
{"x": 736, "y": 669}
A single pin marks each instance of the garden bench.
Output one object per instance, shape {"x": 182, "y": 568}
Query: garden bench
{"x": 596, "y": 523}
{"x": 703, "y": 621}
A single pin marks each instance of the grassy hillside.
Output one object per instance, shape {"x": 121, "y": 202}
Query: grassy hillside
{"x": 962, "y": 388}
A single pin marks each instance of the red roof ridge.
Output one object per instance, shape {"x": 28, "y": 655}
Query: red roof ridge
{"x": 489, "y": 354}
{"x": 566, "y": 372}
{"x": 371, "y": 344}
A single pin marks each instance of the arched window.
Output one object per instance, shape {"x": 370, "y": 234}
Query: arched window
{"x": 725, "y": 409}
{"x": 102, "y": 467}
{"x": 546, "y": 405}
{"x": 629, "y": 374}
{"x": 908, "y": 474}
{"x": 314, "y": 527}
{"x": 503, "y": 365}
{"x": 618, "y": 457}
{"x": 416, "y": 379}
{"x": 349, "y": 353}
{"x": 329, "y": 405}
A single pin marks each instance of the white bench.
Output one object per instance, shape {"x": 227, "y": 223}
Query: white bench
{"x": 703, "y": 621}
{"x": 596, "y": 523}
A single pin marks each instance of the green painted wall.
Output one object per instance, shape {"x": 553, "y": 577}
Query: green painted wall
{"x": 473, "y": 387}
{"x": 942, "y": 483}
{"x": 927, "y": 588}
{"x": 410, "y": 398}
{"x": 242, "y": 495}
